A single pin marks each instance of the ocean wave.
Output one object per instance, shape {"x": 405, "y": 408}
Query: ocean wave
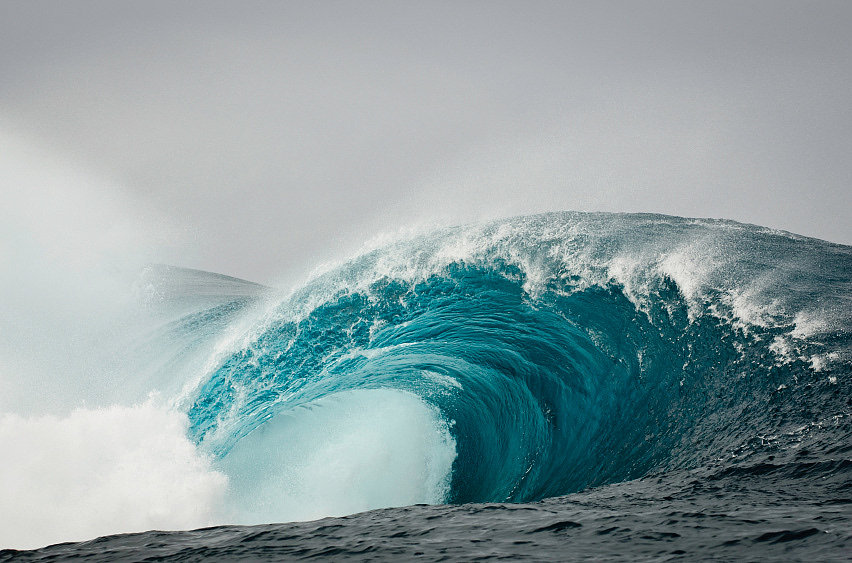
{"x": 544, "y": 355}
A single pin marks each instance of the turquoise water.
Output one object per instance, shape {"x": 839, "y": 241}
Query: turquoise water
{"x": 538, "y": 356}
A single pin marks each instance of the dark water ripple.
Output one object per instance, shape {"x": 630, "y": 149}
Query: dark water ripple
{"x": 677, "y": 516}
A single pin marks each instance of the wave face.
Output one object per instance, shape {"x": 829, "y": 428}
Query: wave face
{"x": 530, "y": 358}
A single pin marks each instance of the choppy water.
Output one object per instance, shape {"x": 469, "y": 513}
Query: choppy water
{"x": 621, "y": 386}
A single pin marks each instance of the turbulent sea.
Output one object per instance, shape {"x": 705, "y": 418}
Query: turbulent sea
{"x": 561, "y": 386}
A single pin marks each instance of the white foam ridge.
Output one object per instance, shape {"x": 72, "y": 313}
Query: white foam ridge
{"x": 706, "y": 260}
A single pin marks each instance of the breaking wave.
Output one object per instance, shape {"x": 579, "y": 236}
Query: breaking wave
{"x": 511, "y": 361}
{"x": 525, "y": 359}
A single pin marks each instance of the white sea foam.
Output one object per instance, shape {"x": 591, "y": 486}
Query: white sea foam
{"x": 101, "y": 471}
{"x": 808, "y": 323}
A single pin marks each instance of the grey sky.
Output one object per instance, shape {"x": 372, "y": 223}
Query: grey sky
{"x": 274, "y": 135}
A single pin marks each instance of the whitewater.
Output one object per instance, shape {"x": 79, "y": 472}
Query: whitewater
{"x": 566, "y": 385}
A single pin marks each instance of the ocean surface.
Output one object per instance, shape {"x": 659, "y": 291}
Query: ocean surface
{"x": 561, "y": 386}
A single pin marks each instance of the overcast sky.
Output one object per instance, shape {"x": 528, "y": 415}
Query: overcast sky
{"x": 270, "y": 136}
